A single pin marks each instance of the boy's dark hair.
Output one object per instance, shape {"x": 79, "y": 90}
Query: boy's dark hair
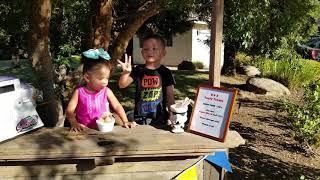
{"x": 91, "y": 64}
{"x": 157, "y": 37}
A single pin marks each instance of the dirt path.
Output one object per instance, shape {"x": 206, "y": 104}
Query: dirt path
{"x": 270, "y": 151}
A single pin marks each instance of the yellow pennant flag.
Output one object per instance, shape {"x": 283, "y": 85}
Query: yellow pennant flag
{"x": 188, "y": 174}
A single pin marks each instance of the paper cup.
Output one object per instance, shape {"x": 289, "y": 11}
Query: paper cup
{"x": 179, "y": 114}
{"x": 105, "y": 126}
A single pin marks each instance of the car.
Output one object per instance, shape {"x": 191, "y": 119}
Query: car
{"x": 310, "y": 49}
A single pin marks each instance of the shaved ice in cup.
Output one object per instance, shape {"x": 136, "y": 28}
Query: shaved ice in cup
{"x": 106, "y": 122}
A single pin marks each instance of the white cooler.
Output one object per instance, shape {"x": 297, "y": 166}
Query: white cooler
{"x": 17, "y": 110}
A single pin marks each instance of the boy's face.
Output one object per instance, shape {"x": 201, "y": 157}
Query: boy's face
{"x": 152, "y": 51}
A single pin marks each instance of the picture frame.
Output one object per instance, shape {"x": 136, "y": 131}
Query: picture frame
{"x": 212, "y": 112}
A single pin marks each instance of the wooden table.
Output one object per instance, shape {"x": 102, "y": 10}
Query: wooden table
{"x": 138, "y": 153}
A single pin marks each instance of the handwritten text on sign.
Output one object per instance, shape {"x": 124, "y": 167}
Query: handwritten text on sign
{"x": 211, "y": 111}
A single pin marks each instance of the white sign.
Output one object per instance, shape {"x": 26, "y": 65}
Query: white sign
{"x": 212, "y": 112}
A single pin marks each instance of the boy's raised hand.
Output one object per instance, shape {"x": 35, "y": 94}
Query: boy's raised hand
{"x": 126, "y": 65}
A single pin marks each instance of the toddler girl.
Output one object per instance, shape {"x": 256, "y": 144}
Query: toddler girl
{"x": 89, "y": 102}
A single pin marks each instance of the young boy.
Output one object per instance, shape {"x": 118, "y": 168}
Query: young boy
{"x": 154, "y": 83}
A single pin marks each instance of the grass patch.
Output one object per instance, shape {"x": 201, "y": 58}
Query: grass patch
{"x": 24, "y": 72}
{"x": 292, "y": 73}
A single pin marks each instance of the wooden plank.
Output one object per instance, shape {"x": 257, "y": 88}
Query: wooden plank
{"x": 140, "y": 141}
{"x": 122, "y": 170}
{"x": 211, "y": 172}
{"x": 216, "y": 41}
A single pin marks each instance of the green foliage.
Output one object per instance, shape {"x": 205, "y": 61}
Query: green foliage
{"x": 265, "y": 27}
{"x": 306, "y": 118}
{"x": 69, "y": 25}
{"x": 293, "y": 73}
{"x": 64, "y": 57}
{"x": 198, "y": 64}
{"x": 14, "y": 18}
{"x": 186, "y": 65}
{"x": 67, "y": 77}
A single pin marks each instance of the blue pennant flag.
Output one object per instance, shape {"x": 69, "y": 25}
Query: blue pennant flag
{"x": 220, "y": 159}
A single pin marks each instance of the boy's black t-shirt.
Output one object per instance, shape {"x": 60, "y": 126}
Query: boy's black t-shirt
{"x": 150, "y": 96}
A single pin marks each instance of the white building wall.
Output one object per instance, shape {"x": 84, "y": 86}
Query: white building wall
{"x": 188, "y": 46}
{"x": 200, "y": 50}
{"x": 137, "y": 58}
{"x": 181, "y": 50}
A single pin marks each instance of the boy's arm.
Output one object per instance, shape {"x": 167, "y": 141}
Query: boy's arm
{"x": 70, "y": 113}
{"x": 125, "y": 80}
{"x": 170, "y": 96}
{"x": 117, "y": 107}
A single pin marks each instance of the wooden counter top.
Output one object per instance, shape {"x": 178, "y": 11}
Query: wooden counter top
{"x": 142, "y": 141}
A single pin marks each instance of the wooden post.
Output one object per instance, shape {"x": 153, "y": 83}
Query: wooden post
{"x": 216, "y": 41}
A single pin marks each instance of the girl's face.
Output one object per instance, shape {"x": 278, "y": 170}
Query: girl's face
{"x": 97, "y": 79}
{"x": 152, "y": 51}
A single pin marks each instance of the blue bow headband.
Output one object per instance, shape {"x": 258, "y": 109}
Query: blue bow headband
{"x": 96, "y": 54}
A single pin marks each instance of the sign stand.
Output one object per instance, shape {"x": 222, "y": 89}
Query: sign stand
{"x": 212, "y": 112}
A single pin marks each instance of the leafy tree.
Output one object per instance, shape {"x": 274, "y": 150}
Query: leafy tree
{"x": 127, "y": 19}
{"x": 69, "y": 25}
{"x": 111, "y": 24}
{"x": 81, "y": 24}
{"x": 14, "y": 18}
{"x": 264, "y": 27}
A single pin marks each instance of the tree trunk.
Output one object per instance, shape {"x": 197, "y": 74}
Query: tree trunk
{"x": 229, "y": 67}
{"x": 121, "y": 42}
{"x": 101, "y": 23}
{"x": 41, "y": 60}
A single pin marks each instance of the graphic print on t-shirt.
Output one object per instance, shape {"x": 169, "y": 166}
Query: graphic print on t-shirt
{"x": 151, "y": 93}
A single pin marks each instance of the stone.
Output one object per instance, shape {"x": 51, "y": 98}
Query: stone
{"x": 267, "y": 87}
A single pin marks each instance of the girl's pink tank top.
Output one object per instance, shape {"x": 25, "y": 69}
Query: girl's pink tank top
{"x": 91, "y": 105}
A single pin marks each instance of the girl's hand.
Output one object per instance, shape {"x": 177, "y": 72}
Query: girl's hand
{"x": 126, "y": 65}
{"x": 77, "y": 127}
{"x": 130, "y": 124}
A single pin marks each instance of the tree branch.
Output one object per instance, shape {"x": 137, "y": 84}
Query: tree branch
{"x": 122, "y": 40}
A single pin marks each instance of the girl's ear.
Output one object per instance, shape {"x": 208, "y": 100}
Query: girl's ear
{"x": 86, "y": 77}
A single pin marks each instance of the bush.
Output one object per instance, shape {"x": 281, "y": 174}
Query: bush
{"x": 186, "y": 65}
{"x": 306, "y": 118}
{"x": 198, "y": 64}
{"x": 294, "y": 73}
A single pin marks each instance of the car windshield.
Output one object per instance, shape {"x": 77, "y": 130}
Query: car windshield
{"x": 314, "y": 43}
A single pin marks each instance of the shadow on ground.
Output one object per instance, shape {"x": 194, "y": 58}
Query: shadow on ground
{"x": 251, "y": 164}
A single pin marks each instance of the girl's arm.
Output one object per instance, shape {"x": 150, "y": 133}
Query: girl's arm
{"x": 70, "y": 112}
{"x": 117, "y": 107}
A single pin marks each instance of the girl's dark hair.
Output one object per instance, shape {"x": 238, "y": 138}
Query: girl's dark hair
{"x": 93, "y": 64}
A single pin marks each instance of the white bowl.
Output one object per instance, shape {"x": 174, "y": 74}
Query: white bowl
{"x": 105, "y": 126}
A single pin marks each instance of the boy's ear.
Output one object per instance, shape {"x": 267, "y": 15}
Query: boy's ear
{"x": 164, "y": 52}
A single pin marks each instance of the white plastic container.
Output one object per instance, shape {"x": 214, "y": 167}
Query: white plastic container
{"x": 179, "y": 117}
{"x": 17, "y": 108}
{"x": 105, "y": 126}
